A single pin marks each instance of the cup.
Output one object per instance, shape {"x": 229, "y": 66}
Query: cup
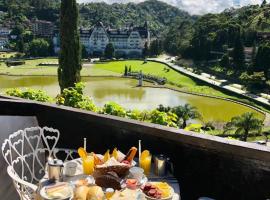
{"x": 70, "y": 168}
{"x": 145, "y": 163}
{"x": 88, "y": 165}
{"x": 160, "y": 162}
{"x": 136, "y": 173}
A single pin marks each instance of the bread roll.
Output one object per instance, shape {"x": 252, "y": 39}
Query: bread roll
{"x": 80, "y": 193}
{"x": 95, "y": 193}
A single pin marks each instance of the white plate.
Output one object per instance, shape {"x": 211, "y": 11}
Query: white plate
{"x": 168, "y": 198}
{"x": 44, "y": 195}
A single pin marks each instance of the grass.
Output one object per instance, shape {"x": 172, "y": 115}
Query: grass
{"x": 174, "y": 78}
{"x": 30, "y": 68}
{"x": 254, "y": 136}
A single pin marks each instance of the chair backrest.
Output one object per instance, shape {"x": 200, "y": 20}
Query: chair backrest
{"x": 26, "y": 151}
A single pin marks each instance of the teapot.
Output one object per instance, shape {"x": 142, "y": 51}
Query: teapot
{"x": 55, "y": 170}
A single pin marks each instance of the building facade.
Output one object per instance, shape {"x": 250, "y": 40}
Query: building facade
{"x": 4, "y": 36}
{"x": 129, "y": 41}
{"x": 42, "y": 28}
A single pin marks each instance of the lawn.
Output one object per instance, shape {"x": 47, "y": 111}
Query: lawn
{"x": 174, "y": 78}
{"x": 30, "y": 68}
{"x": 116, "y": 68}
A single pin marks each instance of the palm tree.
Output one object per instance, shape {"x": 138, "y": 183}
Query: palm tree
{"x": 186, "y": 113}
{"x": 244, "y": 124}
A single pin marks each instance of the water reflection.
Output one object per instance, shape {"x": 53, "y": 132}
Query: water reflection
{"x": 125, "y": 92}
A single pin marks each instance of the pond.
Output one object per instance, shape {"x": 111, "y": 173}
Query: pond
{"x": 124, "y": 92}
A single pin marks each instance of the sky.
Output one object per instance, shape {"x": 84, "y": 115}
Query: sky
{"x": 194, "y": 7}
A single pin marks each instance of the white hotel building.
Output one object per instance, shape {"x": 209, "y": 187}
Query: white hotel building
{"x": 4, "y": 36}
{"x": 127, "y": 41}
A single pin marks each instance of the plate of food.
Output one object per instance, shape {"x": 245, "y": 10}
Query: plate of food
{"x": 59, "y": 191}
{"x": 158, "y": 191}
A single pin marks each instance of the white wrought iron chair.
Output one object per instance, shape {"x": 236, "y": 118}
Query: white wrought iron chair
{"x": 26, "y": 152}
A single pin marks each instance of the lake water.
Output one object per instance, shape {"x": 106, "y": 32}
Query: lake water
{"x": 124, "y": 92}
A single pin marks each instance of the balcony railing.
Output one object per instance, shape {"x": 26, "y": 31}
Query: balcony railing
{"x": 204, "y": 165}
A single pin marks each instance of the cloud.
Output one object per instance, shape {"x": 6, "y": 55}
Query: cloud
{"x": 197, "y": 7}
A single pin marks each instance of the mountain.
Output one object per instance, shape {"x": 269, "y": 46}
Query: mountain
{"x": 216, "y": 32}
{"x": 158, "y": 14}
{"x": 194, "y": 7}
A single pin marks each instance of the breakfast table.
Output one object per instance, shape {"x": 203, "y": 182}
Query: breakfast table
{"x": 78, "y": 174}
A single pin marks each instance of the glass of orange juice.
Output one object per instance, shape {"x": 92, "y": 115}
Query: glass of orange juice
{"x": 88, "y": 165}
{"x": 145, "y": 161}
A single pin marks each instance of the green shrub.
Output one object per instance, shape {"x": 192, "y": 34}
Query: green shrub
{"x": 139, "y": 115}
{"x": 31, "y": 94}
{"x": 115, "y": 109}
{"x": 74, "y": 97}
{"x": 162, "y": 118}
{"x": 15, "y": 62}
{"x": 135, "y": 114}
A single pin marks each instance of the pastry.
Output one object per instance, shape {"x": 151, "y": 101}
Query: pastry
{"x": 80, "y": 193}
{"x": 88, "y": 193}
{"x": 95, "y": 193}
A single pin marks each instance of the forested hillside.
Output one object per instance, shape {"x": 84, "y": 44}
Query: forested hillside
{"x": 159, "y": 15}
{"x": 216, "y": 32}
{"x": 181, "y": 33}
{"x": 29, "y": 9}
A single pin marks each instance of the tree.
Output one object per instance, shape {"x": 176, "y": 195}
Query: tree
{"x": 238, "y": 53}
{"x": 186, "y": 113}
{"x": 262, "y": 61}
{"x": 263, "y": 3}
{"x": 84, "y": 52}
{"x": 18, "y": 31}
{"x": 20, "y": 45}
{"x": 155, "y": 48}
{"x": 145, "y": 50}
{"x": 109, "y": 51}
{"x": 225, "y": 61}
{"x": 38, "y": 48}
{"x": 126, "y": 71}
{"x": 162, "y": 108}
{"x": 253, "y": 56}
{"x": 244, "y": 124}
{"x": 70, "y": 49}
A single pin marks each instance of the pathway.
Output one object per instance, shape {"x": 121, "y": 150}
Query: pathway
{"x": 212, "y": 80}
